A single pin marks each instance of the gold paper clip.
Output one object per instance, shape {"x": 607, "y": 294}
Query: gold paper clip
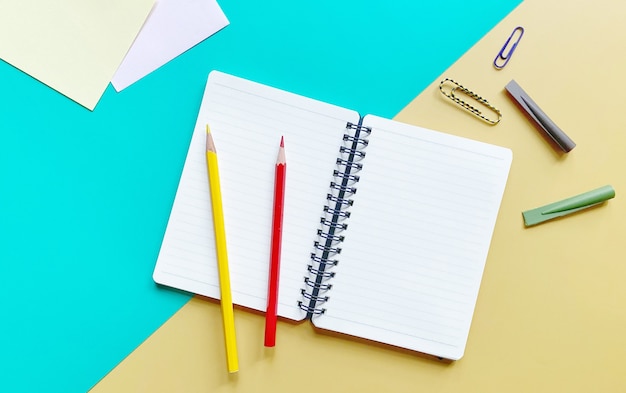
{"x": 448, "y": 83}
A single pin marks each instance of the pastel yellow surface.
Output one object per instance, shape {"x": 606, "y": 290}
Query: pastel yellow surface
{"x": 551, "y": 314}
{"x": 73, "y": 46}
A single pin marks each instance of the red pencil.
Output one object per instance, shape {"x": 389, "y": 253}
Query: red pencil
{"x": 277, "y": 234}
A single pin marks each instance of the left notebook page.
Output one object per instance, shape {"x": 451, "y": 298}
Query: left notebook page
{"x": 247, "y": 120}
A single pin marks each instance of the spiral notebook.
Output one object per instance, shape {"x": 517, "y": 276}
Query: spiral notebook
{"x": 387, "y": 226}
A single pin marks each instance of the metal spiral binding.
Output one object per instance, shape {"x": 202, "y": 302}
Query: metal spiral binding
{"x": 333, "y": 221}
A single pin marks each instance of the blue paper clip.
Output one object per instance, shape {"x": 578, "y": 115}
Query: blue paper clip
{"x": 507, "y": 56}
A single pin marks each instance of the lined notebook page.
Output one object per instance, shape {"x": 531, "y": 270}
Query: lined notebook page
{"x": 247, "y": 121}
{"x": 417, "y": 240}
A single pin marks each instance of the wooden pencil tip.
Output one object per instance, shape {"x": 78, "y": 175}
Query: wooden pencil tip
{"x": 210, "y": 145}
{"x": 282, "y": 141}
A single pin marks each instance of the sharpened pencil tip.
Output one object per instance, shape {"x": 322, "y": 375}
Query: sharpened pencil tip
{"x": 281, "y": 152}
{"x": 210, "y": 145}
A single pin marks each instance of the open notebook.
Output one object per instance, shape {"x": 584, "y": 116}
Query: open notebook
{"x": 387, "y": 226}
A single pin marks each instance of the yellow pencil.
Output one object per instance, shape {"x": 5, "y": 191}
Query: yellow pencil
{"x": 228, "y": 318}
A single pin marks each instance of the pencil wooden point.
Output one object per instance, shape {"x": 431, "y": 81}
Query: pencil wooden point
{"x": 281, "y": 159}
{"x": 210, "y": 144}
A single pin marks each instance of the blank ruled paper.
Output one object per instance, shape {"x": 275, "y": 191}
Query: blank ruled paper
{"x": 417, "y": 239}
{"x": 247, "y": 121}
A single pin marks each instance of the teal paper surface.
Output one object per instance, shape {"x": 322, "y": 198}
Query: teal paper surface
{"x": 85, "y": 196}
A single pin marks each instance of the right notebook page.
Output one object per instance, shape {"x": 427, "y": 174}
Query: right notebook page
{"x": 417, "y": 239}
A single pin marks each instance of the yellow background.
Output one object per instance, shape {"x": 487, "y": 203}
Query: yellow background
{"x": 551, "y": 313}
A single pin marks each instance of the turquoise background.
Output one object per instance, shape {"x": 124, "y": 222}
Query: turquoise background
{"x": 85, "y": 196}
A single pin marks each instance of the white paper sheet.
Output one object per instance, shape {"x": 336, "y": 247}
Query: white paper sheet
{"x": 173, "y": 27}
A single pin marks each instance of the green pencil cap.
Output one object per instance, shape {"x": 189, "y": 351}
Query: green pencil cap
{"x": 568, "y": 206}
